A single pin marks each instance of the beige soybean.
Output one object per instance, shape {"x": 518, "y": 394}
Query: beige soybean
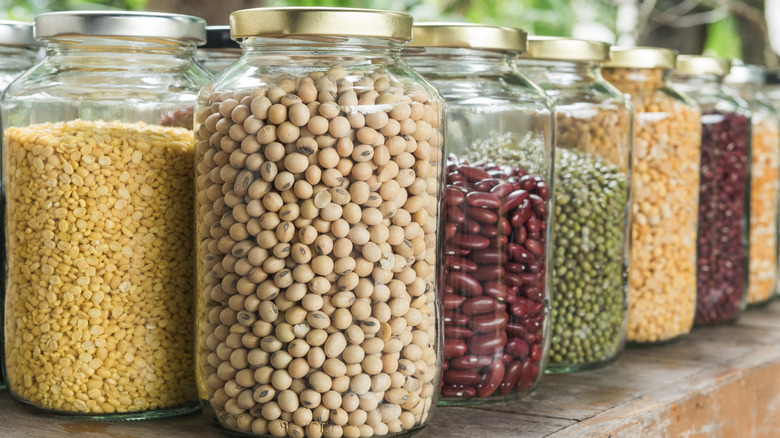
{"x": 98, "y": 314}
{"x": 309, "y": 235}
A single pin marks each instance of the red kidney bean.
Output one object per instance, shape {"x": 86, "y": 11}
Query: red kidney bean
{"x": 482, "y": 215}
{"x": 471, "y": 362}
{"x": 461, "y": 377}
{"x": 502, "y": 189}
{"x": 536, "y": 353}
{"x": 487, "y": 343}
{"x": 514, "y": 267}
{"x": 521, "y": 214}
{"x": 471, "y": 227}
{"x": 496, "y": 290}
{"x": 532, "y": 279}
{"x": 473, "y": 173}
{"x": 527, "y": 182}
{"x": 722, "y": 257}
{"x": 487, "y": 200}
{"x": 454, "y": 348}
{"x": 488, "y": 230}
{"x": 534, "y": 247}
{"x": 454, "y": 196}
{"x": 515, "y": 329}
{"x": 542, "y": 190}
{"x": 490, "y": 322}
{"x": 450, "y": 230}
{"x": 519, "y": 254}
{"x": 448, "y": 289}
{"x": 504, "y": 226}
{"x": 455, "y": 318}
{"x": 489, "y": 257}
{"x": 458, "y": 391}
{"x": 470, "y": 241}
{"x": 518, "y": 348}
{"x": 522, "y": 307}
{"x": 459, "y": 263}
{"x": 444, "y": 366}
{"x": 464, "y": 283}
{"x": 498, "y": 241}
{"x": 479, "y": 305}
{"x": 511, "y": 377}
{"x": 488, "y": 273}
{"x": 533, "y": 225}
{"x": 527, "y": 375}
{"x": 513, "y": 279}
{"x": 493, "y": 380}
{"x": 457, "y": 332}
{"x": 455, "y": 215}
{"x": 452, "y": 301}
{"x": 513, "y": 200}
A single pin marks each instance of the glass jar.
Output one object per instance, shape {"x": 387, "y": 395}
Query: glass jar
{"x": 745, "y": 81}
{"x": 319, "y": 159}
{"x": 498, "y": 182}
{"x": 722, "y": 266}
{"x": 18, "y": 50}
{"x": 219, "y": 51}
{"x": 592, "y": 161}
{"x": 664, "y": 195}
{"x": 98, "y": 195}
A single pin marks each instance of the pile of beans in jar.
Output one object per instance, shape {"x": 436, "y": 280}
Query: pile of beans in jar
{"x": 722, "y": 255}
{"x": 591, "y": 200}
{"x": 764, "y": 185}
{"x": 494, "y": 300}
{"x": 317, "y": 222}
{"x": 664, "y": 205}
{"x": 99, "y": 251}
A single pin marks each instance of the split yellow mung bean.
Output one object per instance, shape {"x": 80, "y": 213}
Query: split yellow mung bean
{"x": 99, "y": 248}
{"x": 317, "y": 217}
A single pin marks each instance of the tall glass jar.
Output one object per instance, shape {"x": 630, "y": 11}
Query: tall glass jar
{"x": 219, "y": 51}
{"x": 664, "y": 195}
{"x": 18, "y": 50}
{"x": 497, "y": 221}
{"x": 771, "y": 90}
{"x": 746, "y": 81}
{"x": 319, "y": 159}
{"x": 98, "y": 194}
{"x": 722, "y": 266}
{"x": 592, "y": 162}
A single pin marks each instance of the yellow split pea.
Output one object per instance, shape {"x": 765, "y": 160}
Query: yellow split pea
{"x": 99, "y": 248}
{"x": 665, "y": 188}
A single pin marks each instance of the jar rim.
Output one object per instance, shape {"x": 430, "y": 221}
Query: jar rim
{"x": 468, "y": 36}
{"x": 312, "y": 21}
{"x": 121, "y": 24}
{"x": 17, "y": 33}
{"x": 566, "y": 49}
{"x": 697, "y": 65}
{"x": 641, "y": 57}
{"x": 744, "y": 74}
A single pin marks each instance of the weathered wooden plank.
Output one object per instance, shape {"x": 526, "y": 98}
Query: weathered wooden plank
{"x": 484, "y": 422}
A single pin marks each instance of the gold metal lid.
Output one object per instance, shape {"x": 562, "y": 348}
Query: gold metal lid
{"x": 641, "y": 57}
{"x": 702, "y": 65}
{"x": 343, "y": 22}
{"x": 468, "y": 36}
{"x": 566, "y": 49}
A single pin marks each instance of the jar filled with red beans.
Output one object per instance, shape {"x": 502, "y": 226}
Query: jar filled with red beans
{"x": 497, "y": 210}
{"x": 318, "y": 184}
{"x": 723, "y": 250}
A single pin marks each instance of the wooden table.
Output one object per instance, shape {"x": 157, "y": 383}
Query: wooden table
{"x": 721, "y": 381}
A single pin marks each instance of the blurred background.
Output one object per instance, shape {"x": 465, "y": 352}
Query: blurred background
{"x": 747, "y": 30}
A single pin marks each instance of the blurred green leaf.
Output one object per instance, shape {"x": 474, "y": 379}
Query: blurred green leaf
{"x": 723, "y": 39}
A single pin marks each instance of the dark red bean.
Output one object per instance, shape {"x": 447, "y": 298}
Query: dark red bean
{"x": 490, "y": 322}
{"x": 531, "y": 279}
{"x": 517, "y": 348}
{"x": 450, "y": 230}
{"x": 454, "y": 348}
{"x": 448, "y": 289}
{"x": 464, "y": 283}
{"x": 521, "y": 214}
{"x": 471, "y": 227}
{"x": 489, "y": 257}
{"x": 523, "y": 307}
{"x": 459, "y": 264}
{"x": 527, "y": 182}
{"x": 493, "y": 380}
{"x": 454, "y": 196}
{"x": 457, "y": 332}
{"x": 486, "y": 200}
{"x": 519, "y": 254}
{"x": 513, "y": 200}
{"x": 455, "y": 318}
{"x": 519, "y": 235}
{"x": 532, "y": 225}
{"x": 445, "y": 365}
{"x": 489, "y": 230}
{"x": 487, "y": 273}
{"x": 527, "y": 375}
{"x": 461, "y": 377}
{"x": 452, "y": 301}
{"x": 511, "y": 377}
{"x": 473, "y": 173}
{"x": 458, "y": 391}
{"x": 487, "y": 344}
{"x": 498, "y": 241}
{"x": 471, "y": 362}
{"x": 515, "y": 329}
{"x": 502, "y": 189}
{"x": 496, "y": 290}
{"x": 536, "y": 353}
{"x": 533, "y": 293}
{"x": 514, "y": 267}
{"x": 453, "y": 214}
{"x": 513, "y": 279}
{"x": 534, "y": 247}
{"x": 504, "y": 227}
{"x": 482, "y": 215}
{"x": 479, "y": 305}
{"x": 542, "y": 190}
{"x": 470, "y": 241}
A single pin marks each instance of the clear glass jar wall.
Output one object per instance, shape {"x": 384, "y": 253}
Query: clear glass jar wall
{"x": 722, "y": 265}
{"x": 98, "y": 192}
{"x": 18, "y": 50}
{"x": 497, "y": 222}
{"x": 318, "y": 188}
{"x": 771, "y": 89}
{"x": 746, "y": 81}
{"x": 664, "y": 195}
{"x": 219, "y": 51}
{"x": 593, "y": 142}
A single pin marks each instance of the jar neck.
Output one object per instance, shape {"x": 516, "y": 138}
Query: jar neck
{"x": 445, "y": 61}
{"x": 120, "y": 53}
{"x": 692, "y": 83}
{"x": 560, "y": 73}
{"x": 17, "y": 58}
{"x": 346, "y": 50}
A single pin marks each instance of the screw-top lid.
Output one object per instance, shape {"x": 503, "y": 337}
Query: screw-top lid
{"x": 566, "y": 49}
{"x": 702, "y": 65}
{"x": 468, "y": 35}
{"x": 218, "y": 37}
{"x": 340, "y": 22}
{"x": 641, "y": 57}
{"x": 17, "y": 33}
{"x": 745, "y": 74}
{"x": 121, "y": 24}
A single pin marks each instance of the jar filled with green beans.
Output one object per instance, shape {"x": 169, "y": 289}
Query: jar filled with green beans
{"x": 591, "y": 194}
